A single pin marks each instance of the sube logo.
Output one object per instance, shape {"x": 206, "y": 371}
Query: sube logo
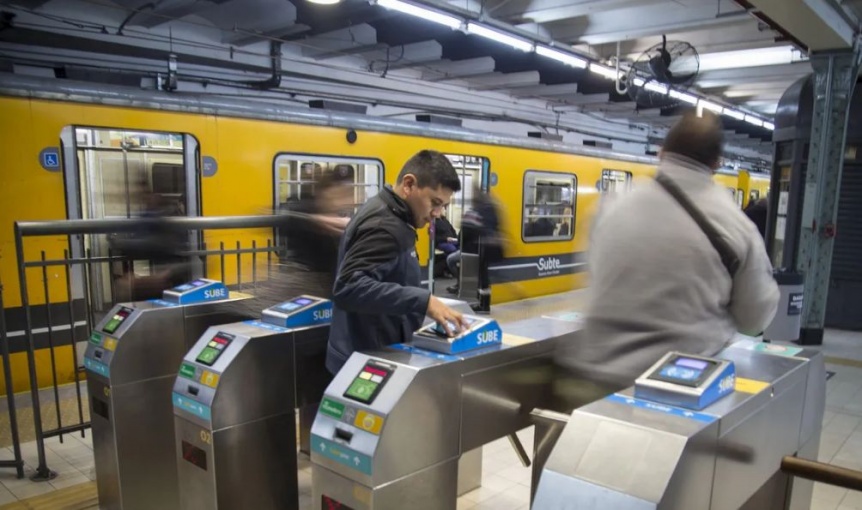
{"x": 215, "y": 293}
{"x": 487, "y": 337}
{"x": 320, "y": 315}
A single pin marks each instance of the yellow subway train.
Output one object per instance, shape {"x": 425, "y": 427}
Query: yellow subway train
{"x": 74, "y": 150}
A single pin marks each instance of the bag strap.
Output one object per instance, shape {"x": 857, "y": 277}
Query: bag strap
{"x": 728, "y": 256}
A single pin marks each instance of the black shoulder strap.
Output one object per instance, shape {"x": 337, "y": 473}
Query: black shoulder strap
{"x": 728, "y": 256}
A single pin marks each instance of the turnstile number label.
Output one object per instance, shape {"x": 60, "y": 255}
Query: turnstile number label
{"x": 328, "y": 503}
{"x": 206, "y": 436}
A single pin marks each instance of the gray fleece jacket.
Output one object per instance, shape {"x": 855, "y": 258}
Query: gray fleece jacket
{"x": 657, "y": 284}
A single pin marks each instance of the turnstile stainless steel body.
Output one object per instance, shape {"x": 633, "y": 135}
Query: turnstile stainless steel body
{"x": 625, "y": 453}
{"x": 235, "y": 417}
{"x": 131, "y": 367}
{"x": 401, "y": 449}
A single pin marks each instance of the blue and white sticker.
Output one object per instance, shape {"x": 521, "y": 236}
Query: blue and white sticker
{"x": 162, "y": 302}
{"x": 265, "y": 325}
{"x": 661, "y": 408}
{"x": 192, "y": 406}
{"x": 49, "y": 158}
{"x": 97, "y": 367}
{"x": 428, "y": 354}
{"x": 341, "y": 454}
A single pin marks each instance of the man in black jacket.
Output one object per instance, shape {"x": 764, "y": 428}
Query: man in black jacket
{"x": 377, "y": 298}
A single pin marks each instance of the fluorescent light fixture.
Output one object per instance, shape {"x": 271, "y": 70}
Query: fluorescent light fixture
{"x": 420, "y": 12}
{"x": 753, "y": 120}
{"x": 750, "y": 58}
{"x": 656, "y": 87}
{"x": 500, "y": 37}
{"x": 770, "y": 126}
{"x": 560, "y": 56}
{"x": 325, "y": 2}
{"x": 682, "y": 96}
{"x": 735, "y": 114}
{"x": 607, "y": 72}
{"x": 706, "y": 105}
{"x": 638, "y": 82}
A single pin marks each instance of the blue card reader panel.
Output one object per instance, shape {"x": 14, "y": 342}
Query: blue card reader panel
{"x": 299, "y": 312}
{"x": 197, "y": 291}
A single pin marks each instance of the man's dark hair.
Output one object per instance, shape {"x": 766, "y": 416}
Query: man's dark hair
{"x": 700, "y": 138}
{"x": 432, "y": 169}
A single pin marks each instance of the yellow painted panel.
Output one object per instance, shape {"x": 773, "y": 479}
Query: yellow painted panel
{"x": 750, "y": 385}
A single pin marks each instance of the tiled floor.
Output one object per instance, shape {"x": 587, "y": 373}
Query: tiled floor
{"x": 505, "y": 482}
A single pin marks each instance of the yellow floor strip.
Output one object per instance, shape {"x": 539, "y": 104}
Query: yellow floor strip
{"x": 843, "y": 361}
{"x": 77, "y": 497}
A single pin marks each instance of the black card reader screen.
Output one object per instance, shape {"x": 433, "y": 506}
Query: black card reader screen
{"x": 214, "y": 348}
{"x": 117, "y": 320}
{"x": 684, "y": 370}
{"x": 369, "y": 382}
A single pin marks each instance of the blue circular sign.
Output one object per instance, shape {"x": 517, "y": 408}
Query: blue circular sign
{"x": 210, "y": 166}
{"x": 49, "y": 159}
{"x": 493, "y": 178}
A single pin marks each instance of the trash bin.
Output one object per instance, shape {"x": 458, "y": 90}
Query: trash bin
{"x": 786, "y": 323}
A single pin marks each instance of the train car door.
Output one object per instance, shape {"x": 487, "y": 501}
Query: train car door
{"x": 473, "y": 172}
{"x": 120, "y": 173}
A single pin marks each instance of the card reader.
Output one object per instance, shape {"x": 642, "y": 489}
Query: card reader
{"x": 685, "y": 380}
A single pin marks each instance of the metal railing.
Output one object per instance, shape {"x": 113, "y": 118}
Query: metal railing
{"x": 79, "y": 265}
{"x": 17, "y": 462}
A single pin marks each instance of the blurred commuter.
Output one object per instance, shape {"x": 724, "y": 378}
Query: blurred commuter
{"x": 667, "y": 276}
{"x": 756, "y": 212}
{"x": 311, "y": 237}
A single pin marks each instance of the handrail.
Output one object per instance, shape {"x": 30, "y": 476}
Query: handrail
{"x": 821, "y": 472}
{"x": 179, "y": 223}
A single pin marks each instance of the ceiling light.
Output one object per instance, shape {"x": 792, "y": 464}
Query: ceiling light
{"x": 325, "y": 2}
{"x": 706, "y": 105}
{"x": 500, "y": 37}
{"x": 750, "y": 58}
{"x": 560, "y": 56}
{"x": 656, "y": 87}
{"x": 419, "y": 12}
{"x": 770, "y": 126}
{"x": 753, "y": 120}
{"x": 607, "y": 72}
{"x": 735, "y": 114}
{"x": 682, "y": 96}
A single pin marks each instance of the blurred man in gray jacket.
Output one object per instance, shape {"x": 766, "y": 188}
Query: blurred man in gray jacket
{"x": 657, "y": 281}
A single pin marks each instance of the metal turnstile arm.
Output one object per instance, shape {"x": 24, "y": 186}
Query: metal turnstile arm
{"x": 519, "y": 449}
{"x": 820, "y": 472}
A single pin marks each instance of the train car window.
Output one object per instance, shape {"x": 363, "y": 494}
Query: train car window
{"x": 754, "y": 195}
{"x": 740, "y": 193}
{"x": 296, "y": 177}
{"x": 549, "y": 206}
{"x": 616, "y": 181}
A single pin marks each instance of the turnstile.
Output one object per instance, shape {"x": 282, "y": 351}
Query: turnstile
{"x": 234, "y": 402}
{"x": 393, "y": 424}
{"x": 628, "y": 452}
{"x": 131, "y": 361}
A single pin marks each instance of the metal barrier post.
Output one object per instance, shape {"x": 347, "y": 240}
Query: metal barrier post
{"x": 18, "y": 463}
{"x": 42, "y": 473}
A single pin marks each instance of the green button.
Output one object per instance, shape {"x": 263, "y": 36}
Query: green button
{"x": 332, "y": 408}
{"x": 96, "y": 338}
{"x": 187, "y": 370}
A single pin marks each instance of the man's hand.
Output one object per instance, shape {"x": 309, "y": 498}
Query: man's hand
{"x": 452, "y": 240}
{"x": 445, "y": 315}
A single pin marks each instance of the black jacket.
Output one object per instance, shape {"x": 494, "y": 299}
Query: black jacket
{"x": 443, "y": 230}
{"x": 377, "y": 300}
